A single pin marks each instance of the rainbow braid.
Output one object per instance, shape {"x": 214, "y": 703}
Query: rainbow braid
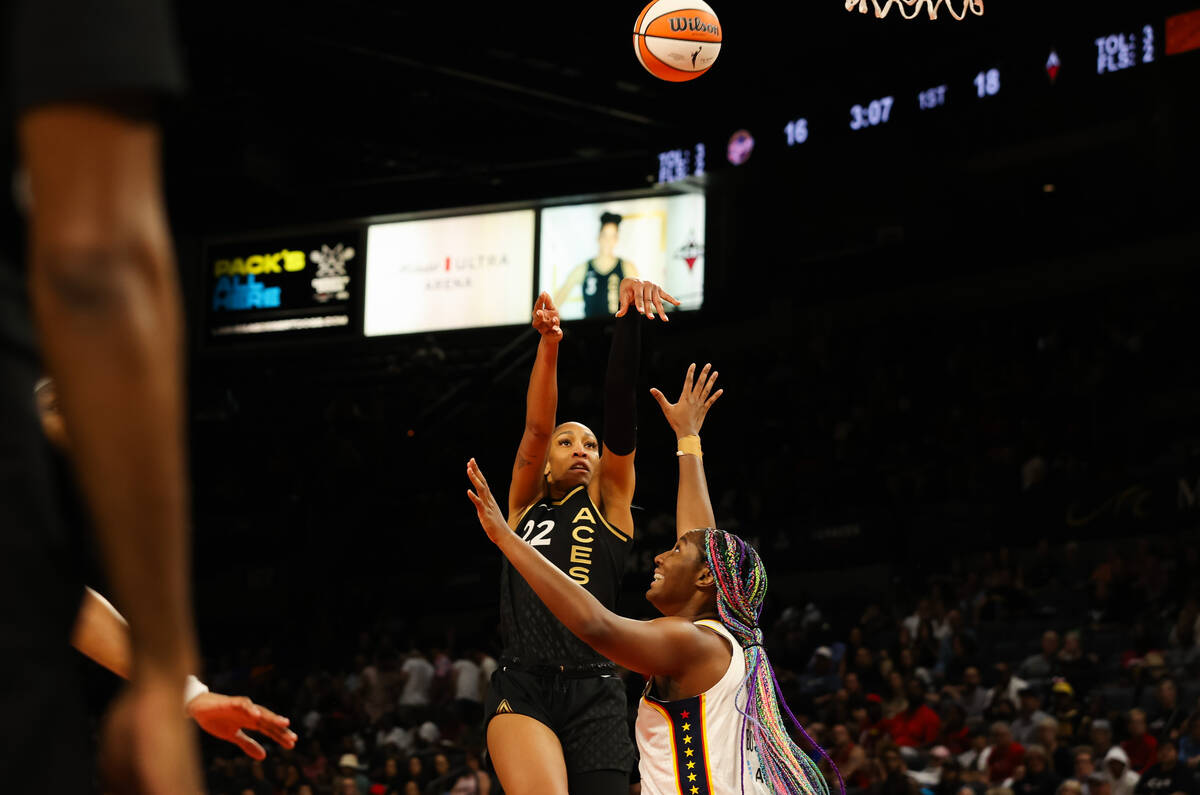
{"x": 741, "y": 587}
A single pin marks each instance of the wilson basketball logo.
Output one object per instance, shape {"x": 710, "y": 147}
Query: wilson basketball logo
{"x": 677, "y": 40}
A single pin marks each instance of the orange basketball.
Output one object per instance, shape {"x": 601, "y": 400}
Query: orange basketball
{"x": 677, "y": 40}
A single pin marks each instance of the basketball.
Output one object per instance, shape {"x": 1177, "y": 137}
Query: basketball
{"x": 677, "y": 40}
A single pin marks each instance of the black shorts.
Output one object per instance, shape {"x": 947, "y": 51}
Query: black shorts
{"x": 587, "y": 713}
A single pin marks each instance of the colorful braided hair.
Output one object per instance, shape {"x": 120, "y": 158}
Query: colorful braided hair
{"x": 741, "y": 587}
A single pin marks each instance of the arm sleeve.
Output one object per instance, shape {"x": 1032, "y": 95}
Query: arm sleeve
{"x": 83, "y": 50}
{"x": 620, "y": 384}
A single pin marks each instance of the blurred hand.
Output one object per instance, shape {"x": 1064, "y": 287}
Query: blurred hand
{"x": 228, "y": 717}
{"x": 147, "y": 746}
{"x": 646, "y": 296}
{"x": 687, "y": 416}
{"x": 489, "y": 513}
{"x": 546, "y": 319}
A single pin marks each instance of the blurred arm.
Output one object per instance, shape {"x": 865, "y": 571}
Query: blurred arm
{"x": 107, "y": 308}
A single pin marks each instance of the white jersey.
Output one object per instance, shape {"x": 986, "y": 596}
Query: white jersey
{"x": 694, "y": 746}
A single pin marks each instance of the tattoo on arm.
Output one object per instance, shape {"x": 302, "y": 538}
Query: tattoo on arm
{"x": 522, "y": 461}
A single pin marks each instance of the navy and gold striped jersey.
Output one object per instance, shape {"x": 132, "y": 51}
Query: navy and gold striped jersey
{"x": 573, "y": 535}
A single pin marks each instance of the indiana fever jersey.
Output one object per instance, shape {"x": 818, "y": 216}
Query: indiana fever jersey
{"x": 695, "y": 746}
{"x": 573, "y": 535}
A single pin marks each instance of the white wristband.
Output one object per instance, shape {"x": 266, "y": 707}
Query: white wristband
{"x": 193, "y": 688}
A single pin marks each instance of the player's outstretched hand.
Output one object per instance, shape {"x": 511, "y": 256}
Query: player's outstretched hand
{"x": 229, "y": 717}
{"x": 687, "y": 415}
{"x": 546, "y": 319}
{"x": 485, "y": 504}
{"x": 646, "y": 296}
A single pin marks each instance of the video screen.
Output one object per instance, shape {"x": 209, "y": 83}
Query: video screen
{"x": 449, "y": 273}
{"x": 586, "y": 249}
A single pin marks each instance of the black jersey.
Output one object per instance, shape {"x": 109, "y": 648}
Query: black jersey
{"x": 602, "y": 293}
{"x": 573, "y": 535}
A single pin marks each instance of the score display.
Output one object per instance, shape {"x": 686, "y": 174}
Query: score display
{"x": 1120, "y": 51}
{"x": 1028, "y": 87}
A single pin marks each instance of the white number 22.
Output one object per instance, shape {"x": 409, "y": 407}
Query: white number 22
{"x": 541, "y": 539}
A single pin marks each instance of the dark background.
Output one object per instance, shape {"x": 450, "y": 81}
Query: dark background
{"x": 967, "y": 330}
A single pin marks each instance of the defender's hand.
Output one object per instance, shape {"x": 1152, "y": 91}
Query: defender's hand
{"x": 646, "y": 296}
{"x": 485, "y": 504}
{"x": 687, "y": 416}
{"x": 228, "y": 717}
{"x": 546, "y": 319}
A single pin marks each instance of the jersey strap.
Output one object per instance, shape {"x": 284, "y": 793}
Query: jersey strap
{"x": 689, "y": 743}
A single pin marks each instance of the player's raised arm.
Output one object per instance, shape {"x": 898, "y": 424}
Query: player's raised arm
{"x": 693, "y": 508}
{"x": 664, "y": 646}
{"x": 616, "y": 482}
{"x": 541, "y": 403}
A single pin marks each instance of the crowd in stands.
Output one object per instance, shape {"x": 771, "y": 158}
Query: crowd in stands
{"x": 985, "y": 684}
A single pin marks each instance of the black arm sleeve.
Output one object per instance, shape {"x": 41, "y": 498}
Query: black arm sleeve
{"x": 620, "y": 385}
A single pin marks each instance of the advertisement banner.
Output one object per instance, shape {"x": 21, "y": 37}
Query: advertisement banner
{"x": 293, "y": 283}
{"x": 449, "y": 273}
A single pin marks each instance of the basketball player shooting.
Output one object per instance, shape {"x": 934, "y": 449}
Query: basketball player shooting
{"x": 555, "y": 709}
{"x": 710, "y": 682}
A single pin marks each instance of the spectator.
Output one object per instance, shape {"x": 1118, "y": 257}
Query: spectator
{"x": 417, "y": 771}
{"x": 1059, "y": 755}
{"x": 1070, "y": 787}
{"x": 468, "y": 695}
{"x": 1189, "y": 744}
{"x": 1004, "y": 754}
{"x": 1074, "y": 664}
{"x": 1118, "y": 773}
{"x": 349, "y": 770}
{"x": 487, "y": 666}
{"x": 379, "y": 683}
{"x": 389, "y": 778}
{"x": 893, "y": 775}
{"x": 1167, "y": 716}
{"x": 411, "y": 787}
{"x": 931, "y": 775}
{"x": 315, "y": 764}
{"x": 1100, "y": 735}
{"x": 850, "y": 760}
{"x": 347, "y": 785}
{"x": 974, "y": 759}
{"x": 952, "y": 780}
{"x": 1024, "y": 726}
{"x": 1065, "y": 710}
{"x": 895, "y": 701}
{"x": 868, "y": 673}
{"x": 1043, "y": 665}
{"x": 416, "y": 675}
{"x": 916, "y": 726}
{"x": 392, "y": 738}
{"x": 1035, "y": 777}
{"x": 1168, "y": 776}
{"x": 970, "y": 694}
{"x": 1085, "y": 767}
{"x": 1007, "y": 686}
{"x": 1141, "y": 747}
{"x": 954, "y": 733}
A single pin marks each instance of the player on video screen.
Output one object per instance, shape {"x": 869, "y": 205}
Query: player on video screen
{"x": 600, "y": 278}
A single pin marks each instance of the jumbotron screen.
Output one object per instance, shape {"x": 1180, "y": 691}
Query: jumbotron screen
{"x": 587, "y": 248}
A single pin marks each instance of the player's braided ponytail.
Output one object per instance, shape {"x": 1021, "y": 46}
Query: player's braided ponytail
{"x": 741, "y": 587}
